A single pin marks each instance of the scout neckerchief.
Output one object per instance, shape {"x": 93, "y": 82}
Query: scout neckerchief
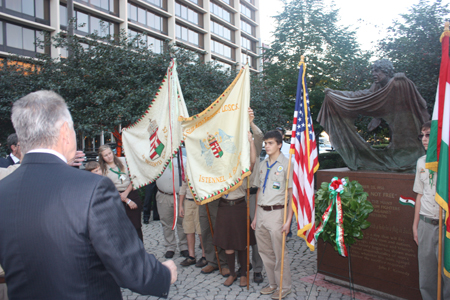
{"x": 120, "y": 174}
{"x": 267, "y": 174}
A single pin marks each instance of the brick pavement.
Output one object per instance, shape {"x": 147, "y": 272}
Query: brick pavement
{"x": 191, "y": 284}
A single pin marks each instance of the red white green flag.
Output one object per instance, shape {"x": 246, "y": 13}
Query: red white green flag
{"x": 438, "y": 151}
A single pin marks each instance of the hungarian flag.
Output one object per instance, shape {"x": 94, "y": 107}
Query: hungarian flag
{"x": 306, "y": 163}
{"x": 217, "y": 146}
{"x": 438, "y": 152}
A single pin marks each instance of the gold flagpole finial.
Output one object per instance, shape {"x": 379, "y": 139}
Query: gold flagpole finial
{"x": 446, "y": 31}
{"x": 302, "y": 60}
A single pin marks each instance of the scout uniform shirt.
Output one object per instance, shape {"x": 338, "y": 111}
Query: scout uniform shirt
{"x": 272, "y": 180}
{"x": 425, "y": 184}
{"x": 121, "y": 179}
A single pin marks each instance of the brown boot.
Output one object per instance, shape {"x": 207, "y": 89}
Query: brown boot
{"x": 243, "y": 282}
{"x": 209, "y": 269}
{"x": 230, "y": 280}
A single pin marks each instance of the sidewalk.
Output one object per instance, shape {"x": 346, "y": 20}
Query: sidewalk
{"x": 191, "y": 284}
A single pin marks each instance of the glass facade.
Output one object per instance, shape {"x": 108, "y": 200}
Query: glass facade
{"x": 187, "y": 14}
{"x": 247, "y": 28}
{"x": 221, "y": 30}
{"x": 155, "y": 2}
{"x": 220, "y": 12}
{"x": 187, "y": 35}
{"x": 107, "y": 5}
{"x": 20, "y": 40}
{"x": 154, "y": 44}
{"x": 89, "y": 24}
{"x": 247, "y": 12}
{"x": 144, "y": 17}
{"x": 248, "y": 44}
{"x": 34, "y": 10}
{"x": 221, "y": 49}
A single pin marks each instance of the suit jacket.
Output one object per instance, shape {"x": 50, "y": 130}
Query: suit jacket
{"x": 64, "y": 234}
{"x": 6, "y": 162}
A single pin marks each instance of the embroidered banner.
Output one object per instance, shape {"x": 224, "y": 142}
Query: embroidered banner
{"x": 150, "y": 143}
{"x": 218, "y": 151}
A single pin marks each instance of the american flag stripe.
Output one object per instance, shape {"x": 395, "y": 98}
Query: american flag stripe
{"x": 303, "y": 146}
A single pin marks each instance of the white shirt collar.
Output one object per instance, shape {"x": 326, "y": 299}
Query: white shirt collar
{"x": 14, "y": 158}
{"x": 49, "y": 151}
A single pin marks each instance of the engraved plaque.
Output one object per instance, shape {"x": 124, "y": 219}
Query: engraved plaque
{"x": 386, "y": 258}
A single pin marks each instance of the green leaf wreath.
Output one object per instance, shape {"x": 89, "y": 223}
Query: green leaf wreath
{"x": 355, "y": 206}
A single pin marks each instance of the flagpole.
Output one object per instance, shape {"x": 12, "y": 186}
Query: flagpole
{"x": 439, "y": 283}
{"x": 248, "y": 232}
{"x": 283, "y": 243}
{"x": 212, "y": 236}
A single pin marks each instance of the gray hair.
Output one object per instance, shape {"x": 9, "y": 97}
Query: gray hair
{"x": 384, "y": 66}
{"x": 37, "y": 119}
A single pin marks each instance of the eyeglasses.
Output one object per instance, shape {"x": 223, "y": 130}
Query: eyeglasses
{"x": 424, "y": 135}
{"x": 280, "y": 129}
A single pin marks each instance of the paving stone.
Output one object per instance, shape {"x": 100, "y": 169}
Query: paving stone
{"x": 191, "y": 284}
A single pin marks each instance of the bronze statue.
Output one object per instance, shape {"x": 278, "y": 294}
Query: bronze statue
{"x": 392, "y": 97}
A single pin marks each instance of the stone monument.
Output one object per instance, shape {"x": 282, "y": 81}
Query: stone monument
{"x": 386, "y": 258}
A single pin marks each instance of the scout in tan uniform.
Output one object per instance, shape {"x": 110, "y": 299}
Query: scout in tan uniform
{"x": 268, "y": 220}
{"x": 231, "y": 225}
{"x": 191, "y": 225}
{"x": 164, "y": 202}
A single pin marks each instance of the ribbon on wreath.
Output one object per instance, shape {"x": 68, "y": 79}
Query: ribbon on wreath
{"x": 336, "y": 188}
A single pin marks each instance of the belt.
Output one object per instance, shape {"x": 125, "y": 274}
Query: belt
{"x": 273, "y": 207}
{"x": 2, "y": 279}
{"x": 164, "y": 193}
{"x": 232, "y": 202}
{"x": 429, "y": 220}
{"x": 189, "y": 199}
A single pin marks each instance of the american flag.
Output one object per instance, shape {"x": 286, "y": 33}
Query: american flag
{"x": 303, "y": 145}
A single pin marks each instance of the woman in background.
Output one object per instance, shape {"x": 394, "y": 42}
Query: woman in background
{"x": 116, "y": 169}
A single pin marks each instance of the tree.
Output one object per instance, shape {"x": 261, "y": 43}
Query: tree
{"x": 332, "y": 54}
{"x": 110, "y": 81}
{"x": 414, "y": 48}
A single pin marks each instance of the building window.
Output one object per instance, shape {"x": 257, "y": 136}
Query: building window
{"x": 34, "y": 10}
{"x": 221, "y": 49}
{"x": 247, "y": 44}
{"x": 89, "y": 24}
{"x": 144, "y": 17}
{"x": 221, "y": 30}
{"x": 154, "y": 44}
{"x": 247, "y": 12}
{"x": 20, "y": 40}
{"x": 222, "y": 66}
{"x": 247, "y": 28}
{"x": 251, "y": 60}
{"x": 187, "y": 14}
{"x": 194, "y": 1}
{"x": 220, "y": 12}
{"x": 155, "y": 2}
{"x": 62, "y": 15}
{"x": 187, "y": 35}
{"x": 227, "y": 2}
{"x": 106, "y": 5}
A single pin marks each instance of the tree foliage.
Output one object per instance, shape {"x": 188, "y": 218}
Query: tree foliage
{"x": 412, "y": 44}
{"x": 332, "y": 54}
{"x": 108, "y": 81}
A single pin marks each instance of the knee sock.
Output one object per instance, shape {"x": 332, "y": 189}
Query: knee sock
{"x": 242, "y": 256}
{"x": 231, "y": 258}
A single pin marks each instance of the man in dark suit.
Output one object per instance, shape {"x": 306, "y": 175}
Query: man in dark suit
{"x": 63, "y": 232}
{"x": 14, "y": 148}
